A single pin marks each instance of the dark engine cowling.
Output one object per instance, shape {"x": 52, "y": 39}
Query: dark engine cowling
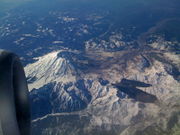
{"x": 14, "y": 102}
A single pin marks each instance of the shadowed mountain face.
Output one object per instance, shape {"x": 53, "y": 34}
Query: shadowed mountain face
{"x": 129, "y": 87}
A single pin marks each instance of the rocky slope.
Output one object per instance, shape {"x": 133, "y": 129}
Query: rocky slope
{"x": 100, "y": 92}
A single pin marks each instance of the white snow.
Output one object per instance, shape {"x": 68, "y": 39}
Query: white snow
{"x": 57, "y": 42}
{"x": 49, "y": 68}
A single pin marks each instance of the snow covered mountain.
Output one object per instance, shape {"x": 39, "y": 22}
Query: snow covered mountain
{"x": 98, "y": 67}
{"x": 49, "y": 68}
{"x": 55, "y": 86}
{"x": 103, "y": 92}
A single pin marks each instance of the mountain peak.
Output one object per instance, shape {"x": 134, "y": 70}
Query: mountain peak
{"x": 49, "y": 68}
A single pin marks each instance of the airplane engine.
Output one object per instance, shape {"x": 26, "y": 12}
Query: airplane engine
{"x": 14, "y": 102}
